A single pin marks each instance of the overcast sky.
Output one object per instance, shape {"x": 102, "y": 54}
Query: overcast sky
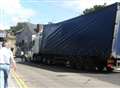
{"x": 43, "y": 11}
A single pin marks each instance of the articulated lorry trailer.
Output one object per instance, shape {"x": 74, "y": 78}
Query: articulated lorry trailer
{"x": 90, "y": 41}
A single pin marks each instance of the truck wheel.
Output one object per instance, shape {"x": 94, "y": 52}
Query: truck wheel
{"x": 73, "y": 65}
{"x": 67, "y": 63}
{"x": 79, "y": 66}
{"x": 100, "y": 68}
{"x": 48, "y": 62}
{"x": 33, "y": 58}
{"x": 109, "y": 69}
{"x": 44, "y": 60}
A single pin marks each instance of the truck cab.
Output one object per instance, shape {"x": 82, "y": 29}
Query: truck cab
{"x": 36, "y": 42}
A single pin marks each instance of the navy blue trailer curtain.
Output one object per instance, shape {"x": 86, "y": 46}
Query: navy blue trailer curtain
{"x": 89, "y": 34}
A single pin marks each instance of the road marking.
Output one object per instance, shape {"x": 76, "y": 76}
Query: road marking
{"x": 19, "y": 81}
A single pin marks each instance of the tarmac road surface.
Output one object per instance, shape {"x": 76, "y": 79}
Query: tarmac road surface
{"x": 43, "y": 76}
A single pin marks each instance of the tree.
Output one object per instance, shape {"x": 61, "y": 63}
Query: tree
{"x": 94, "y": 8}
{"x": 16, "y": 28}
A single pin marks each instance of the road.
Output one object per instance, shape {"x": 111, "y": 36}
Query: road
{"x": 43, "y": 76}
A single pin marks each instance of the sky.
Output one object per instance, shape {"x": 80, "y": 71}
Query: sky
{"x": 43, "y": 11}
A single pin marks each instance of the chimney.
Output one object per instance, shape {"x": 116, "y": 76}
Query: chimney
{"x": 39, "y": 28}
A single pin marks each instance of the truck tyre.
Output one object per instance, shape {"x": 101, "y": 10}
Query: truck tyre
{"x": 109, "y": 69}
{"x": 67, "y": 63}
{"x": 100, "y": 68}
{"x": 44, "y": 60}
{"x": 48, "y": 62}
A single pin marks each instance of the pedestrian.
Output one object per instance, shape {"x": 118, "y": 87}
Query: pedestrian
{"x": 6, "y": 58}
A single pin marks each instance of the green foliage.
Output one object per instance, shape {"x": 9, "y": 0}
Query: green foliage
{"x": 16, "y": 28}
{"x": 94, "y": 8}
{"x": 8, "y": 30}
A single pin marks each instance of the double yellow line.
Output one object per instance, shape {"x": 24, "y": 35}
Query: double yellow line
{"x": 19, "y": 81}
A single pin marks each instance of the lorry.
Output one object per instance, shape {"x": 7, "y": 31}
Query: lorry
{"x": 90, "y": 41}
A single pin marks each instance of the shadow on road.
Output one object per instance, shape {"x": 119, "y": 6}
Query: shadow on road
{"x": 62, "y": 68}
